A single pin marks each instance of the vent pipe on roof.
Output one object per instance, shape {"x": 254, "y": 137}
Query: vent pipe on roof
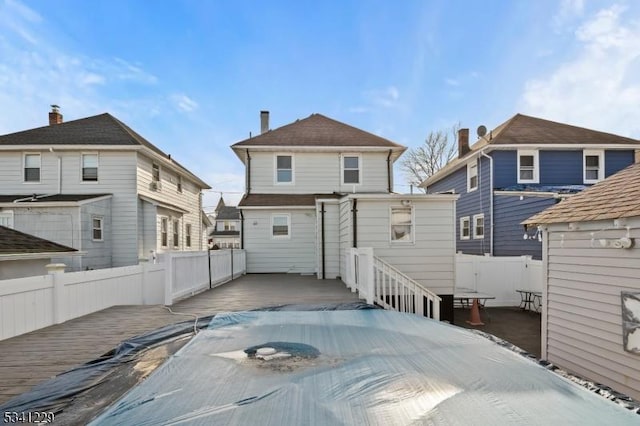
{"x": 463, "y": 142}
{"x": 264, "y": 122}
{"x": 54, "y": 116}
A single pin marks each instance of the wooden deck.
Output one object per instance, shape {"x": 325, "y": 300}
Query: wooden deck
{"x": 31, "y": 358}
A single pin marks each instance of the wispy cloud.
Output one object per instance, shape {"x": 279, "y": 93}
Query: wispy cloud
{"x": 183, "y": 102}
{"x": 600, "y": 86}
{"x": 452, "y": 82}
{"x": 124, "y": 70}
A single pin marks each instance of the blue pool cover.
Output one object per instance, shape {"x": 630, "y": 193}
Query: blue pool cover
{"x": 352, "y": 367}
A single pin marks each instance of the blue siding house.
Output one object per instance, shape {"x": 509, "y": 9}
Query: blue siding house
{"x": 518, "y": 169}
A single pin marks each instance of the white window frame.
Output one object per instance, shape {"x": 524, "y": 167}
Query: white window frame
{"x": 470, "y": 166}
{"x": 187, "y": 235}
{"x": 82, "y": 154}
{"x": 343, "y": 168}
{"x": 275, "y": 168}
{"x": 413, "y": 224}
{"x": 153, "y": 178}
{"x": 8, "y": 216}
{"x": 179, "y": 183}
{"x": 281, "y": 237}
{"x": 593, "y": 153}
{"x": 24, "y": 168}
{"x": 164, "y": 229}
{"x": 536, "y": 165}
{"x": 101, "y": 228}
{"x": 175, "y": 233}
{"x": 462, "y": 222}
{"x": 475, "y": 226}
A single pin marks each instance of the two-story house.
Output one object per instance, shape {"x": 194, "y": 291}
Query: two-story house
{"x": 518, "y": 169}
{"x": 317, "y": 187}
{"x": 97, "y": 186}
{"x": 226, "y": 231}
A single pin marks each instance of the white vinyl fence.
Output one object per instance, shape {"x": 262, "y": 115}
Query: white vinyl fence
{"x": 498, "y": 276}
{"x": 31, "y": 303}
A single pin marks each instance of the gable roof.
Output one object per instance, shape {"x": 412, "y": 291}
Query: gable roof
{"x": 98, "y": 130}
{"x": 16, "y": 242}
{"x": 616, "y": 197}
{"x": 532, "y": 131}
{"x": 318, "y": 131}
{"x": 228, "y": 213}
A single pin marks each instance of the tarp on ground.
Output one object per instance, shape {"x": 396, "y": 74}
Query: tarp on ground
{"x": 352, "y": 367}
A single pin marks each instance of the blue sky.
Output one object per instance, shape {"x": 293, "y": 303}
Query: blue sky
{"x": 192, "y": 76}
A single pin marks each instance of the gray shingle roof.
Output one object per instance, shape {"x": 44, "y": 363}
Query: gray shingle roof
{"x": 616, "y": 197}
{"x": 276, "y": 200}
{"x": 228, "y": 213}
{"x": 318, "y": 130}
{"x": 102, "y": 129}
{"x": 49, "y": 198}
{"x": 16, "y": 242}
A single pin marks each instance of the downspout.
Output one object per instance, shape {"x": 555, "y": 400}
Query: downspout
{"x": 389, "y": 171}
{"x": 490, "y": 197}
{"x": 354, "y": 220}
{"x": 322, "y": 238}
{"x": 241, "y": 230}
{"x": 248, "y": 172}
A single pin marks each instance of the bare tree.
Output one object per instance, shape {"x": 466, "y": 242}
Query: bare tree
{"x": 438, "y": 149}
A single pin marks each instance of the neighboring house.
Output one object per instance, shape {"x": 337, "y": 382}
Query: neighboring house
{"x": 226, "y": 233}
{"x": 520, "y": 168}
{"x": 591, "y": 257}
{"x": 97, "y": 186}
{"x": 23, "y": 255}
{"x": 316, "y": 188}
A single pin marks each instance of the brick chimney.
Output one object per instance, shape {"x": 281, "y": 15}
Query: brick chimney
{"x": 264, "y": 122}
{"x": 463, "y": 142}
{"x": 54, "y": 116}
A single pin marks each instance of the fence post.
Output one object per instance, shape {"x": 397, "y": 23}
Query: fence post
{"x": 366, "y": 273}
{"x": 53, "y": 269}
{"x": 168, "y": 279}
{"x": 144, "y": 278}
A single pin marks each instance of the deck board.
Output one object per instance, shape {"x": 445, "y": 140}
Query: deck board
{"x": 34, "y": 357}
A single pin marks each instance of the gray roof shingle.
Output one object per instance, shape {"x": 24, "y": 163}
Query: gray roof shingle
{"x": 277, "y": 200}
{"x": 16, "y": 242}
{"x": 48, "y": 198}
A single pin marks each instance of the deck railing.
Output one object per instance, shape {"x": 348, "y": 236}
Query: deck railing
{"x": 378, "y": 282}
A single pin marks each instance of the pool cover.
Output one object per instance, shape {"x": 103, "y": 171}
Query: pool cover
{"x": 352, "y": 367}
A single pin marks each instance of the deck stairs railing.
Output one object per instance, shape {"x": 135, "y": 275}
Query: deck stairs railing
{"x": 382, "y": 284}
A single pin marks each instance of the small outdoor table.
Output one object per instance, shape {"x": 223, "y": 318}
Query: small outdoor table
{"x": 530, "y": 300}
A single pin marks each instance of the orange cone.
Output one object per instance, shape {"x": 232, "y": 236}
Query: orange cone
{"x": 475, "y": 314}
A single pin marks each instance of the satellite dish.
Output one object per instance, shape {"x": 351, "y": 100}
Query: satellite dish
{"x": 482, "y": 130}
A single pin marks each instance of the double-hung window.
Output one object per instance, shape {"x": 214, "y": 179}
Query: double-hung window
{"x": 401, "y": 224}
{"x": 187, "y": 234}
{"x": 478, "y": 226}
{"x": 351, "y": 169}
{"x": 472, "y": 175}
{"x": 155, "y": 173}
{"x": 89, "y": 167}
{"x": 97, "y": 228}
{"x": 32, "y": 167}
{"x": 179, "y": 183}
{"x": 593, "y": 165}
{"x": 528, "y": 170}
{"x": 465, "y": 228}
{"x": 281, "y": 226}
{"x": 284, "y": 169}
{"x": 6, "y": 218}
{"x": 176, "y": 233}
{"x": 164, "y": 225}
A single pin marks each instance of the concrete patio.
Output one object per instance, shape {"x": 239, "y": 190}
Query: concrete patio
{"x": 31, "y": 358}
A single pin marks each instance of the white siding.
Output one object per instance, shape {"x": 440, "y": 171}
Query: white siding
{"x": 331, "y": 240}
{"x": 265, "y": 254}
{"x": 318, "y": 172}
{"x": 10, "y": 269}
{"x": 583, "y": 317}
{"x": 430, "y": 260}
{"x": 188, "y": 199}
{"x": 345, "y": 231}
{"x": 99, "y": 253}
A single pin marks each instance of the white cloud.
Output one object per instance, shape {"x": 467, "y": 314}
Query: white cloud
{"x": 600, "y": 86}
{"x": 568, "y": 11}
{"x": 452, "y": 82}
{"x": 91, "y": 78}
{"x": 124, "y": 70}
{"x": 184, "y": 103}
{"x": 386, "y": 98}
